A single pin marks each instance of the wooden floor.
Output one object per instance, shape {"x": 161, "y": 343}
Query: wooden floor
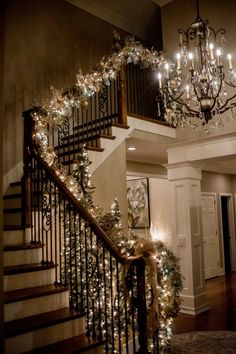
{"x": 222, "y": 314}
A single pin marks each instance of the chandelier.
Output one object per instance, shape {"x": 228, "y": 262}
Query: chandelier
{"x": 193, "y": 89}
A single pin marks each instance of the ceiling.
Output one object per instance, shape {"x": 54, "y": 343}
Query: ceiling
{"x": 155, "y": 152}
{"x": 118, "y": 13}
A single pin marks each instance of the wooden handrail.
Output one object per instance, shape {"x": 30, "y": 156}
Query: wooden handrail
{"x": 30, "y": 151}
{"x": 30, "y": 148}
{"x": 81, "y": 209}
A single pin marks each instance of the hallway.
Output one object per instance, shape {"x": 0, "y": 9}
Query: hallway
{"x": 222, "y": 314}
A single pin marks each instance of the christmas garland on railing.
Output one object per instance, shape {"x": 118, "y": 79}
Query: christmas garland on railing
{"x": 54, "y": 111}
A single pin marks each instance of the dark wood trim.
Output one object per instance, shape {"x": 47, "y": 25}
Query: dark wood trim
{"x": 46, "y": 319}
{"x": 27, "y": 268}
{"x": 15, "y": 184}
{"x": 78, "y": 344}
{"x": 31, "y": 293}
{"x": 21, "y": 247}
{"x": 12, "y": 196}
{"x": 14, "y": 227}
{"x": 122, "y": 97}
{"x": 95, "y": 227}
{"x": 12, "y": 210}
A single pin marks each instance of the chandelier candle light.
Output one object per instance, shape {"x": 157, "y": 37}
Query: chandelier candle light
{"x": 193, "y": 89}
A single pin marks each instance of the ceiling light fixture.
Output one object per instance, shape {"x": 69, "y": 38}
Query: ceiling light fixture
{"x": 193, "y": 90}
{"x": 131, "y": 148}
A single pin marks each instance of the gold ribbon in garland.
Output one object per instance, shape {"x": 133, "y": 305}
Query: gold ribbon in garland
{"x": 146, "y": 250}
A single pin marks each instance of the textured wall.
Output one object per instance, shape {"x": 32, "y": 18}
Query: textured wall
{"x": 112, "y": 183}
{"x": 217, "y": 182}
{"x": 47, "y": 42}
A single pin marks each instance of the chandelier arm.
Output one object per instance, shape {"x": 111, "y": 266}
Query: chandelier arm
{"x": 222, "y": 31}
{"x": 180, "y": 102}
{"x": 230, "y": 84}
{"x": 214, "y": 97}
{"x": 195, "y": 90}
{"x": 225, "y": 104}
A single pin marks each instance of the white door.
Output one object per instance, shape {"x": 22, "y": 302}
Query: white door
{"x": 210, "y": 236}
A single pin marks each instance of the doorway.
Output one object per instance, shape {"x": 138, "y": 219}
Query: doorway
{"x": 227, "y": 231}
{"x": 210, "y": 235}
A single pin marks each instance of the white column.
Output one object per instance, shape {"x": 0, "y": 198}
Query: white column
{"x": 187, "y": 233}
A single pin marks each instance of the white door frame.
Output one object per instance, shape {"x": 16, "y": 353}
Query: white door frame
{"x": 231, "y": 220}
{"x": 220, "y": 269}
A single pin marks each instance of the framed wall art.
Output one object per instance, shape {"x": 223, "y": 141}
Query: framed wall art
{"x": 138, "y": 203}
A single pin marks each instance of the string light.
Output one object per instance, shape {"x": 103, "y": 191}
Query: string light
{"x": 166, "y": 269}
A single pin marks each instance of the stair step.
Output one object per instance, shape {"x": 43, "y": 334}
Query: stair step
{"x": 31, "y": 301}
{"x": 12, "y": 196}
{"x": 78, "y": 344}
{"x": 73, "y": 146}
{"x": 12, "y": 201}
{"x": 13, "y": 276}
{"x": 91, "y": 148}
{"x": 27, "y": 268}
{"x": 103, "y": 121}
{"x": 42, "y": 320}
{"x": 15, "y": 184}
{"x": 12, "y": 210}
{"x": 22, "y": 253}
{"x": 12, "y": 216}
{"x": 32, "y": 332}
{"x": 13, "y": 227}
{"x": 16, "y": 234}
{"x": 21, "y": 246}
{"x": 34, "y": 292}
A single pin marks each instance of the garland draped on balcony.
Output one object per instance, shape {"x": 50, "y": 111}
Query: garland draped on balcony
{"x": 164, "y": 281}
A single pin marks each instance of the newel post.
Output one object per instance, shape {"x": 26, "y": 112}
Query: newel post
{"x": 142, "y": 308}
{"x": 122, "y": 97}
{"x": 29, "y": 126}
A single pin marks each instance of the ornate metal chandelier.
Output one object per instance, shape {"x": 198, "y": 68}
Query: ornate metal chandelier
{"x": 193, "y": 90}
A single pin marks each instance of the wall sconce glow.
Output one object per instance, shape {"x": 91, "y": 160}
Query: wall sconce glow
{"x": 131, "y": 148}
{"x": 157, "y": 234}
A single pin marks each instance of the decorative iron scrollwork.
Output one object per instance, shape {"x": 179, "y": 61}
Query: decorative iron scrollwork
{"x": 103, "y": 99}
{"x": 46, "y": 210}
{"x": 63, "y": 131}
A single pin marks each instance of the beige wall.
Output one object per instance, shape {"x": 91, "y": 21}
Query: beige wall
{"x": 159, "y": 198}
{"x": 47, "y": 42}
{"x": 110, "y": 182}
{"x": 217, "y": 182}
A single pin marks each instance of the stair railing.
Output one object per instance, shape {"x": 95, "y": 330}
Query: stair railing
{"x": 103, "y": 284}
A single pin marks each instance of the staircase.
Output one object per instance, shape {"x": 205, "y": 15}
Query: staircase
{"x": 37, "y": 314}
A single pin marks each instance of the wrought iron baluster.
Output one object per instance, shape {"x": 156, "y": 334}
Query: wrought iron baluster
{"x": 105, "y": 296}
{"x": 112, "y": 304}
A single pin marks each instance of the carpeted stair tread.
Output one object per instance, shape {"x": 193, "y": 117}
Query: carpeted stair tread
{"x": 15, "y": 184}
{"x": 21, "y": 247}
{"x": 76, "y": 344}
{"x": 30, "y": 293}
{"x": 27, "y": 268}
{"x": 12, "y": 210}
{"x": 42, "y": 320}
{"x": 13, "y": 196}
{"x": 14, "y": 227}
